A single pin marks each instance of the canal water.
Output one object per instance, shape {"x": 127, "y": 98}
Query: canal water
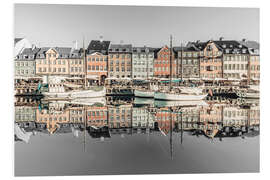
{"x": 135, "y": 136}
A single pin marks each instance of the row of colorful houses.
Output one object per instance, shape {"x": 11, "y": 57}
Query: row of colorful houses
{"x": 210, "y": 60}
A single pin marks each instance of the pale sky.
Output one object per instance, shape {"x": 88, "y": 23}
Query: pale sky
{"x": 60, "y": 25}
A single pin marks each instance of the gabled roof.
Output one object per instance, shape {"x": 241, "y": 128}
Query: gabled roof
{"x": 28, "y": 54}
{"x": 231, "y": 47}
{"x": 191, "y": 47}
{"x": 250, "y": 44}
{"x": 42, "y": 51}
{"x": 63, "y": 50}
{"x": 76, "y": 53}
{"x": 142, "y": 49}
{"x": 98, "y": 46}
{"x": 120, "y": 48}
{"x": 156, "y": 50}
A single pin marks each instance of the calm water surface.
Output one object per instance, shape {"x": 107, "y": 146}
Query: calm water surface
{"x": 136, "y": 136}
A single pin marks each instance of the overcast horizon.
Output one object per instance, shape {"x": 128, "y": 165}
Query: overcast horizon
{"x": 60, "y": 25}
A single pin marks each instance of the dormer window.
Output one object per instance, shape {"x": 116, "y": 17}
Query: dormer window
{"x": 227, "y": 50}
{"x": 231, "y": 45}
{"x": 224, "y": 46}
{"x": 240, "y": 45}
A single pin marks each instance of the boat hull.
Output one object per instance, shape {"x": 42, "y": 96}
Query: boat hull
{"x": 146, "y": 94}
{"x": 77, "y": 94}
{"x": 252, "y": 95}
{"x": 178, "y": 97}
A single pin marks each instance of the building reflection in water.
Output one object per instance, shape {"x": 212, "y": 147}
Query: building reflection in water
{"x": 209, "y": 119}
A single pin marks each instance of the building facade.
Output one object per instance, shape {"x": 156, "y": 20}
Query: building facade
{"x": 53, "y": 61}
{"x": 25, "y": 65}
{"x": 76, "y": 63}
{"x": 254, "y": 59}
{"x": 142, "y": 118}
{"x": 162, "y": 63}
{"x": 97, "y": 60}
{"x": 210, "y": 60}
{"x": 53, "y": 117}
{"x": 120, "y": 116}
{"x": 97, "y": 116}
{"x": 142, "y": 62}
{"x": 235, "y": 59}
{"x": 119, "y": 61}
{"x": 189, "y": 58}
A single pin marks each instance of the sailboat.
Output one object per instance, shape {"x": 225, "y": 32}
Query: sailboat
{"x": 181, "y": 93}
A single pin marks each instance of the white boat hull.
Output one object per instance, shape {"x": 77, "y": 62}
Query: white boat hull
{"x": 178, "y": 97}
{"x": 88, "y": 94}
{"x": 77, "y": 94}
{"x": 141, "y": 93}
{"x": 162, "y": 103}
{"x": 253, "y": 95}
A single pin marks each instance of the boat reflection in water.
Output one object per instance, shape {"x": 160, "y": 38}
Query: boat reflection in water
{"x": 104, "y": 120}
{"x": 141, "y": 115}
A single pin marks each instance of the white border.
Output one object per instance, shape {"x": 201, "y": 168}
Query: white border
{"x": 7, "y": 34}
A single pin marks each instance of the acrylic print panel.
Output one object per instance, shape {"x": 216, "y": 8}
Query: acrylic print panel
{"x": 135, "y": 90}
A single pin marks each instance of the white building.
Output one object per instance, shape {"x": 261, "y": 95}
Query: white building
{"x": 142, "y": 62}
{"x": 142, "y": 118}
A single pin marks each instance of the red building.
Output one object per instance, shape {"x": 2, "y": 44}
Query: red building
{"x": 162, "y": 63}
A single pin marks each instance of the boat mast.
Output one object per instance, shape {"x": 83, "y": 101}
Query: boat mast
{"x": 181, "y": 127}
{"x": 85, "y": 66}
{"x": 181, "y": 62}
{"x": 85, "y": 124}
{"x": 171, "y": 131}
{"x": 170, "y": 62}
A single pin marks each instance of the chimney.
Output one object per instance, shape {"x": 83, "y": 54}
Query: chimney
{"x": 101, "y": 38}
{"x": 221, "y": 38}
{"x": 244, "y": 40}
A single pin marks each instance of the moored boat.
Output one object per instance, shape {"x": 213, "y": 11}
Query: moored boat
{"x": 77, "y": 94}
{"x": 178, "y": 97}
{"x": 144, "y": 93}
